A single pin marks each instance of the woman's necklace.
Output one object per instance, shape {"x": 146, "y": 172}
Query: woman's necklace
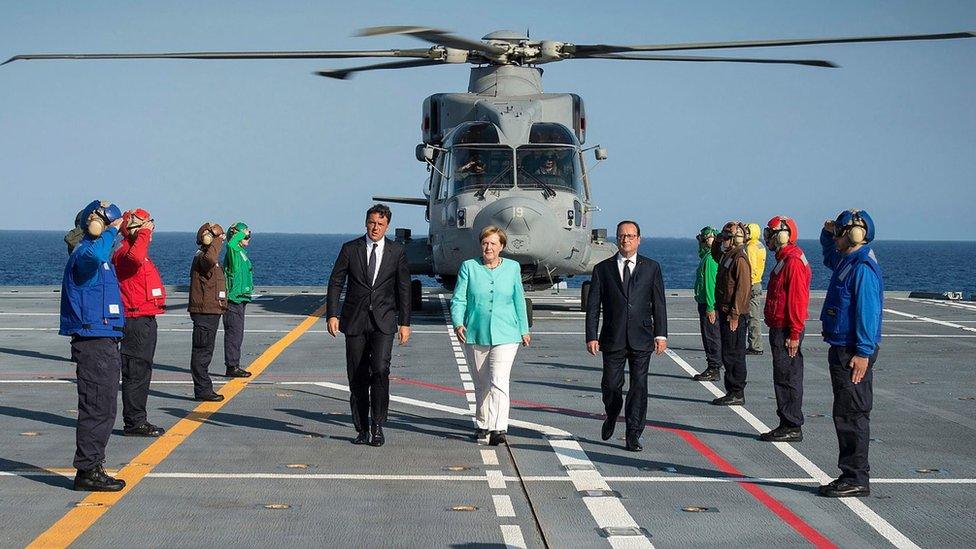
{"x": 492, "y": 267}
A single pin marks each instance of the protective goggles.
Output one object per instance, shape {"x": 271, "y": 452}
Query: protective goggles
{"x": 769, "y": 232}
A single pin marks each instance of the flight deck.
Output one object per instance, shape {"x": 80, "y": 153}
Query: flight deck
{"x": 273, "y": 465}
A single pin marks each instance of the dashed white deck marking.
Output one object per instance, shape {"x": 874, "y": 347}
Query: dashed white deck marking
{"x": 503, "y": 505}
{"x": 512, "y": 536}
{"x": 882, "y": 526}
{"x": 931, "y": 320}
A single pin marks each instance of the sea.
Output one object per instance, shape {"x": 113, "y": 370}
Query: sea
{"x": 29, "y": 258}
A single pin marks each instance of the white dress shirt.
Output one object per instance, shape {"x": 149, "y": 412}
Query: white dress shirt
{"x": 621, "y": 261}
{"x": 379, "y": 255}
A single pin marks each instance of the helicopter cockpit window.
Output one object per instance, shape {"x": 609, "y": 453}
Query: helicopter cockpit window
{"x": 476, "y": 132}
{"x": 477, "y": 168}
{"x": 541, "y": 166}
{"x": 547, "y": 132}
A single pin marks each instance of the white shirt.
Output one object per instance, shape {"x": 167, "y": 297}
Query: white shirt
{"x": 621, "y": 261}
{"x": 379, "y": 255}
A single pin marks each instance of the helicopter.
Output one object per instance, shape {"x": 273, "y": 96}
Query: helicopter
{"x": 506, "y": 153}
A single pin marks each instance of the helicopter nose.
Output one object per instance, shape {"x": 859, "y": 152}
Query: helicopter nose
{"x": 530, "y": 225}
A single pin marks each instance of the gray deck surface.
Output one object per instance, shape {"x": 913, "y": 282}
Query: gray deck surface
{"x": 286, "y": 439}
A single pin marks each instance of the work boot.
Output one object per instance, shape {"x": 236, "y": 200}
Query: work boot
{"x": 710, "y": 374}
{"x": 95, "y": 480}
{"x": 783, "y": 434}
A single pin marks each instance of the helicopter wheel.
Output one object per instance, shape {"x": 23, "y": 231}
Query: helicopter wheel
{"x": 584, "y": 295}
{"x": 416, "y": 296}
{"x": 528, "y": 310}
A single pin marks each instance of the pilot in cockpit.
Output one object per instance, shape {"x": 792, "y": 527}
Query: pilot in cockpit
{"x": 548, "y": 166}
{"x": 474, "y": 166}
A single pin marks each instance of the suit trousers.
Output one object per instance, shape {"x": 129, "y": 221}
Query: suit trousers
{"x": 492, "y": 366}
{"x": 204, "y": 337}
{"x": 755, "y": 323}
{"x": 711, "y": 336}
{"x": 138, "y": 349}
{"x": 368, "y": 368}
{"x": 612, "y": 386}
{"x": 734, "y": 353}
{"x": 233, "y": 334}
{"x": 787, "y": 378}
{"x": 852, "y": 414}
{"x": 99, "y": 365}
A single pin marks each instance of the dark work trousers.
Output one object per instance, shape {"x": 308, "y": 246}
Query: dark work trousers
{"x": 755, "y": 323}
{"x": 233, "y": 334}
{"x": 734, "y": 353}
{"x": 787, "y": 378}
{"x": 852, "y": 414}
{"x": 138, "y": 349}
{"x": 711, "y": 336}
{"x": 204, "y": 336}
{"x": 368, "y": 368}
{"x": 98, "y": 371}
{"x": 613, "y": 386}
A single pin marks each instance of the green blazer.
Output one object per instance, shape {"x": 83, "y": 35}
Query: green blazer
{"x": 490, "y": 303}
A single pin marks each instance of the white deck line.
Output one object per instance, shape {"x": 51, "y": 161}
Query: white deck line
{"x": 883, "y": 527}
{"x": 932, "y": 320}
{"x": 503, "y": 505}
{"x": 512, "y": 536}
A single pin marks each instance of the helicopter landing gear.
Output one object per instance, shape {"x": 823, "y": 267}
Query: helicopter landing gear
{"x": 528, "y": 310}
{"x": 416, "y": 296}
{"x": 584, "y": 295}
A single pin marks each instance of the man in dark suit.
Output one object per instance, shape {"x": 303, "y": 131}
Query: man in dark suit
{"x": 376, "y": 276}
{"x": 629, "y": 289}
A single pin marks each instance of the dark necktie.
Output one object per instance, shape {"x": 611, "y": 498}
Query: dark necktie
{"x": 627, "y": 277}
{"x": 371, "y": 266}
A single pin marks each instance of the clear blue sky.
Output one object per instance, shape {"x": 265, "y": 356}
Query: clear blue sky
{"x": 893, "y": 130}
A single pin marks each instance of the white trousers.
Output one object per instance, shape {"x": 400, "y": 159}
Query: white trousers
{"x": 492, "y": 367}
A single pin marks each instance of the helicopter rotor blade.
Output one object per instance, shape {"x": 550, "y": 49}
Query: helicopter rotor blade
{"x": 339, "y": 54}
{"x": 699, "y": 59}
{"x": 343, "y": 74}
{"x": 606, "y": 48}
{"x": 435, "y": 36}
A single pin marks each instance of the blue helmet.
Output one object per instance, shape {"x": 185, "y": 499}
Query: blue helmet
{"x": 106, "y": 210}
{"x": 849, "y": 219}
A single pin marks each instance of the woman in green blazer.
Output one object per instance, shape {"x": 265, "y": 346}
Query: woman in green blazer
{"x": 489, "y": 317}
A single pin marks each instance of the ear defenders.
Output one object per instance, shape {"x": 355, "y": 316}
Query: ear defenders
{"x": 99, "y": 215}
{"x": 779, "y": 232}
{"x": 737, "y": 231}
{"x": 208, "y": 232}
{"x": 854, "y": 225}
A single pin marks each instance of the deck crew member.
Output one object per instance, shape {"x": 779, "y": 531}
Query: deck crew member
{"x": 489, "y": 316}
{"x": 240, "y": 284}
{"x": 787, "y": 299}
{"x": 733, "y": 285}
{"x": 705, "y": 297}
{"x": 92, "y": 315}
{"x": 757, "y": 265}
{"x": 144, "y": 297}
{"x": 851, "y": 318}
{"x": 628, "y": 289}
{"x": 376, "y": 276}
{"x": 208, "y": 301}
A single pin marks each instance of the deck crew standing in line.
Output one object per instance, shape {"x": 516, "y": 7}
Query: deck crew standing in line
{"x": 144, "y": 297}
{"x": 92, "y": 315}
{"x": 240, "y": 284}
{"x": 851, "y": 318}
{"x": 711, "y": 334}
{"x": 732, "y": 290}
{"x": 376, "y": 276}
{"x": 208, "y": 301}
{"x": 757, "y": 265}
{"x": 787, "y": 299}
{"x": 489, "y": 316}
{"x": 628, "y": 289}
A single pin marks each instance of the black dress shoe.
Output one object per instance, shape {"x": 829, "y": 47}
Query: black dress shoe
{"x": 634, "y": 444}
{"x": 841, "y": 489}
{"x": 730, "y": 400}
{"x": 608, "y": 425}
{"x": 212, "y": 397}
{"x": 378, "y": 438}
{"x": 480, "y": 434}
{"x": 362, "y": 438}
{"x": 753, "y": 352}
{"x": 237, "y": 372}
{"x": 145, "y": 430}
{"x": 496, "y": 437}
{"x": 710, "y": 374}
{"x": 783, "y": 434}
{"x": 95, "y": 480}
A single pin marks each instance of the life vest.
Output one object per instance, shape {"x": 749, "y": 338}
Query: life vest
{"x": 837, "y": 315}
{"x": 94, "y": 309}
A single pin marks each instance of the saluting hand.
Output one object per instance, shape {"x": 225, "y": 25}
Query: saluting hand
{"x": 859, "y": 367}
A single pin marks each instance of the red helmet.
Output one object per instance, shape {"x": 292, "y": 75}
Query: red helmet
{"x": 779, "y": 224}
{"x": 128, "y": 223}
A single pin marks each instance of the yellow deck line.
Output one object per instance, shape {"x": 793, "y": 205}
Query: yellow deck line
{"x": 65, "y": 531}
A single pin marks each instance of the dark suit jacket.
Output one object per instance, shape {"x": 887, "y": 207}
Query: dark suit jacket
{"x": 389, "y": 297}
{"x": 633, "y": 322}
